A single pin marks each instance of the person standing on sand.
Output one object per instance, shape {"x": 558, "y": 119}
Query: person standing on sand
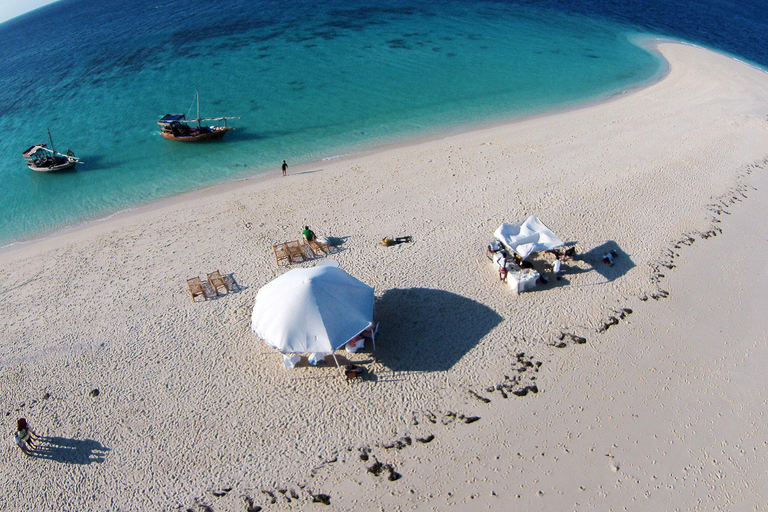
{"x": 556, "y": 265}
{"x": 285, "y": 167}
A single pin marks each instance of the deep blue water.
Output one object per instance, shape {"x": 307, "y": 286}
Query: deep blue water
{"x": 310, "y": 80}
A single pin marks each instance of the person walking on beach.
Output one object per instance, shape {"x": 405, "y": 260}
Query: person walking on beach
{"x": 285, "y": 167}
{"x": 25, "y": 436}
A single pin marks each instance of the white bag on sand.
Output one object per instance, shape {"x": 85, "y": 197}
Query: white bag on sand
{"x": 316, "y": 357}
{"x": 355, "y": 345}
{"x": 291, "y": 360}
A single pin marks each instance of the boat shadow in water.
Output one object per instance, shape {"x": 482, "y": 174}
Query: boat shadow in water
{"x": 92, "y": 162}
{"x": 70, "y": 451}
{"x": 244, "y": 134}
{"x": 88, "y": 163}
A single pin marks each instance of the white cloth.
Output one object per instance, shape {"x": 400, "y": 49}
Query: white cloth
{"x": 291, "y": 360}
{"x": 556, "y": 266}
{"x": 316, "y": 357}
{"x": 527, "y": 237}
{"x": 522, "y": 280}
{"x": 355, "y": 345}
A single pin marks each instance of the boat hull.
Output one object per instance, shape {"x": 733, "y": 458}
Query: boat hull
{"x": 62, "y": 164}
{"x": 216, "y": 132}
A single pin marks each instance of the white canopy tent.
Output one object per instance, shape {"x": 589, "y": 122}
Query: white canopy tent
{"x": 314, "y": 309}
{"x": 527, "y": 237}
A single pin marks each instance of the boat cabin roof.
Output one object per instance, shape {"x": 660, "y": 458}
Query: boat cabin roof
{"x": 34, "y": 149}
{"x": 169, "y": 118}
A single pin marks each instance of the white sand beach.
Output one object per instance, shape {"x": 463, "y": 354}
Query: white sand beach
{"x": 643, "y": 382}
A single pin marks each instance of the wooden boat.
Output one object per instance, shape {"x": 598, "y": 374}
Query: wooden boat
{"x": 41, "y": 158}
{"x": 178, "y": 127}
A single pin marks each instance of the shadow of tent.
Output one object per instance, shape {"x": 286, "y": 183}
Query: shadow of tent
{"x": 70, "y": 451}
{"x": 622, "y": 263}
{"x": 429, "y": 330}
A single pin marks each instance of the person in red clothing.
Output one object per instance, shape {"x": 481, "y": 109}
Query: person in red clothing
{"x": 25, "y": 436}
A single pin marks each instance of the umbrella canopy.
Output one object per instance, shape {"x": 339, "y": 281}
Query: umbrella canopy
{"x": 314, "y": 309}
{"x": 527, "y": 237}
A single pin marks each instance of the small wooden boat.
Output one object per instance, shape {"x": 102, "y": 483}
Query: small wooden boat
{"x": 178, "y": 127}
{"x": 41, "y": 158}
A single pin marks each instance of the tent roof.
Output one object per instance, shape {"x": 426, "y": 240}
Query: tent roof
{"x": 527, "y": 237}
{"x": 314, "y": 309}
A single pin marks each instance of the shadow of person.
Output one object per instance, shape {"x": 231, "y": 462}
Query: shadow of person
{"x": 336, "y": 241}
{"x": 70, "y": 451}
{"x": 429, "y": 330}
{"x": 622, "y": 263}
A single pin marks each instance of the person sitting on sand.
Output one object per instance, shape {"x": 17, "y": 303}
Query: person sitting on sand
{"x": 353, "y": 371}
{"x": 25, "y": 436}
{"x": 386, "y": 241}
{"x": 309, "y": 235}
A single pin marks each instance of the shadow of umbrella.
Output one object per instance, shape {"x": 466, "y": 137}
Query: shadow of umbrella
{"x": 429, "y": 330}
{"x": 70, "y": 451}
{"x": 622, "y": 263}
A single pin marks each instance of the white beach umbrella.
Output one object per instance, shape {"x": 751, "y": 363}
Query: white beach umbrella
{"x": 314, "y": 309}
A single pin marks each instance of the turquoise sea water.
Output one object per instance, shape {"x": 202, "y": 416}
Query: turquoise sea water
{"x": 310, "y": 82}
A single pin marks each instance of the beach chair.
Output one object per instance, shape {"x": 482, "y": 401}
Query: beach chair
{"x": 196, "y": 288}
{"x": 295, "y": 251}
{"x": 318, "y": 247}
{"x": 218, "y": 281}
{"x": 281, "y": 253}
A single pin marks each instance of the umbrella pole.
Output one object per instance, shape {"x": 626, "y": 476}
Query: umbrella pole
{"x": 337, "y": 363}
{"x": 373, "y": 340}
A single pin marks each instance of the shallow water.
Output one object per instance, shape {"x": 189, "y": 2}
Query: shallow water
{"x": 309, "y": 82}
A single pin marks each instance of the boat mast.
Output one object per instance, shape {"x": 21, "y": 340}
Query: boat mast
{"x": 197, "y": 95}
{"x": 50, "y": 139}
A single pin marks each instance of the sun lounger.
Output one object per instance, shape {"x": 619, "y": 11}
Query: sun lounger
{"x": 295, "y": 251}
{"x": 281, "y": 253}
{"x": 196, "y": 287}
{"x": 218, "y": 281}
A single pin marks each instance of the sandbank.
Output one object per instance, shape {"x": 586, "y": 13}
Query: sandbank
{"x": 192, "y": 408}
